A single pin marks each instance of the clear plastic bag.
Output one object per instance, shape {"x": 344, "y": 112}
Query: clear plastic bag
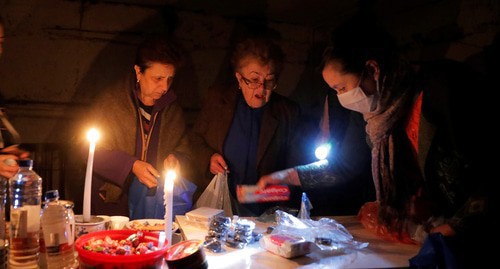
{"x": 328, "y": 234}
{"x": 216, "y": 195}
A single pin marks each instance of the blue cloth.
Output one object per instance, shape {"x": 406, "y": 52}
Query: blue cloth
{"x": 240, "y": 147}
{"x": 436, "y": 252}
{"x": 144, "y": 206}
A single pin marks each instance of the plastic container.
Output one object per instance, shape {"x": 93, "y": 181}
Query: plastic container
{"x": 25, "y": 192}
{"x": 90, "y": 259}
{"x": 58, "y": 229}
{"x": 187, "y": 255}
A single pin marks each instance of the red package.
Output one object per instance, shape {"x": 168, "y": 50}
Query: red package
{"x": 272, "y": 193}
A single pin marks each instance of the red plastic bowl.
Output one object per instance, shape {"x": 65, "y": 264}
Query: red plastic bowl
{"x": 89, "y": 259}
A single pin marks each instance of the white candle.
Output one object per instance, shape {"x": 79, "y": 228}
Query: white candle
{"x": 168, "y": 191}
{"x": 92, "y": 136}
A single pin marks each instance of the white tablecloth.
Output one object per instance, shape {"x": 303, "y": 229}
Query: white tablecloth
{"x": 378, "y": 254}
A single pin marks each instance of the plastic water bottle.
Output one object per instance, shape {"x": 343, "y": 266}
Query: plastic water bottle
{"x": 25, "y": 192}
{"x": 58, "y": 226}
{"x": 3, "y": 238}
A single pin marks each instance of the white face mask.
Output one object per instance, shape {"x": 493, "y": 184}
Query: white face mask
{"x": 357, "y": 100}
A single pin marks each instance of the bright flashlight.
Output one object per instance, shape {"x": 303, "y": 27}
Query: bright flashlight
{"x": 322, "y": 151}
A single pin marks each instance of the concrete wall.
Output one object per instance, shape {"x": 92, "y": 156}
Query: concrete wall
{"x": 59, "y": 54}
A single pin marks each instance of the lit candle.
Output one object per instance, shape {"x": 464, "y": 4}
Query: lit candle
{"x": 92, "y": 136}
{"x": 168, "y": 191}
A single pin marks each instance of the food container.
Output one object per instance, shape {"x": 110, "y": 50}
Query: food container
{"x": 187, "y": 255}
{"x": 287, "y": 246}
{"x": 202, "y": 216}
{"x": 89, "y": 259}
{"x": 150, "y": 225}
{"x": 96, "y": 224}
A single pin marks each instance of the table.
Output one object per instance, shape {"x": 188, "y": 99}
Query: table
{"x": 378, "y": 254}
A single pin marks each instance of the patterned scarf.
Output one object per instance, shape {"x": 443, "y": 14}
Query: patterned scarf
{"x": 395, "y": 170}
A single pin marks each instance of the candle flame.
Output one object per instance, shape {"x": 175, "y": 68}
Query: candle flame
{"x": 171, "y": 175}
{"x": 93, "y": 135}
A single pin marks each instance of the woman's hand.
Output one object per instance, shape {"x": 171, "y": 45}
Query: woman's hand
{"x": 15, "y": 150}
{"x": 146, "y": 173}
{"x": 8, "y": 165}
{"x": 217, "y": 164}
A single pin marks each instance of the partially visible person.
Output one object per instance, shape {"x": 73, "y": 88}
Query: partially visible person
{"x": 9, "y": 138}
{"x": 424, "y": 127}
{"x": 142, "y": 134}
{"x": 246, "y": 128}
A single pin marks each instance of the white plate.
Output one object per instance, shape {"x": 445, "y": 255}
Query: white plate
{"x": 149, "y": 225}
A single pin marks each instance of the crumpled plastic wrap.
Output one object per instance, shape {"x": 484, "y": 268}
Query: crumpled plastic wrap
{"x": 305, "y": 207}
{"x": 326, "y": 233}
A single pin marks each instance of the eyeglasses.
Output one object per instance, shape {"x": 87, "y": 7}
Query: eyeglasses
{"x": 268, "y": 84}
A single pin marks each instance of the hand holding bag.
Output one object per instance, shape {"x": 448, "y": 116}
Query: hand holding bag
{"x": 216, "y": 195}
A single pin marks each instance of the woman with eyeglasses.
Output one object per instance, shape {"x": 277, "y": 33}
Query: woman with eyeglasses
{"x": 142, "y": 134}
{"x": 246, "y": 129}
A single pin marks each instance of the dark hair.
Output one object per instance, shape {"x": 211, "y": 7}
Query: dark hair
{"x": 158, "y": 50}
{"x": 263, "y": 49}
{"x": 355, "y": 43}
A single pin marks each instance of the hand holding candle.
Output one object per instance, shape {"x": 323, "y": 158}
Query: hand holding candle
{"x": 168, "y": 200}
{"x": 92, "y": 136}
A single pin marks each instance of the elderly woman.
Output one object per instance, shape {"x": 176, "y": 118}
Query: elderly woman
{"x": 142, "y": 133}
{"x": 246, "y": 129}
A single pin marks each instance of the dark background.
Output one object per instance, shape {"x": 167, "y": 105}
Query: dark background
{"x": 59, "y": 54}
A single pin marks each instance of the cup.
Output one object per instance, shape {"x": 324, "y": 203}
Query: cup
{"x": 118, "y": 222}
{"x": 176, "y": 238}
{"x": 96, "y": 224}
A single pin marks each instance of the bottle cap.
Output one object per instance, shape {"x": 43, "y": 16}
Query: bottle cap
{"x": 51, "y": 195}
{"x": 25, "y": 163}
